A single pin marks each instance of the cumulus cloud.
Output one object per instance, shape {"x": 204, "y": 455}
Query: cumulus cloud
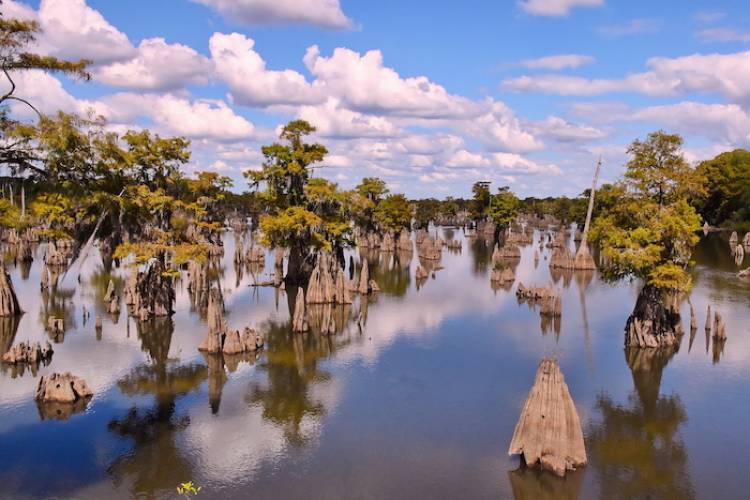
{"x": 157, "y": 66}
{"x": 45, "y": 92}
{"x": 562, "y": 130}
{"x": 721, "y": 122}
{"x": 726, "y": 74}
{"x": 199, "y": 119}
{"x": 74, "y": 30}
{"x": 250, "y": 82}
{"x": 465, "y": 158}
{"x": 555, "y": 7}
{"x": 558, "y": 62}
{"x": 17, "y": 10}
{"x": 500, "y": 130}
{"x": 504, "y": 162}
{"x": 364, "y": 84}
{"x": 324, "y": 13}
{"x": 331, "y": 120}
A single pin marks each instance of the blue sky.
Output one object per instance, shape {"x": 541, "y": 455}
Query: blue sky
{"x": 430, "y": 96}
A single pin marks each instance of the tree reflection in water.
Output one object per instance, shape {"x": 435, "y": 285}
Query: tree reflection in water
{"x": 481, "y": 254}
{"x": 636, "y": 451}
{"x": 292, "y": 362}
{"x": 533, "y": 484}
{"x": 390, "y": 270}
{"x": 155, "y": 462}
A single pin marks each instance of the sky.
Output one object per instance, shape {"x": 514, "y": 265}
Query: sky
{"x": 430, "y": 96}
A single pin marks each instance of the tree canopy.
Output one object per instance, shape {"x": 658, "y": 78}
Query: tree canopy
{"x": 649, "y": 233}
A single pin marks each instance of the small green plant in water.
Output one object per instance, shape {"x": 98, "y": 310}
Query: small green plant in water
{"x": 187, "y": 489}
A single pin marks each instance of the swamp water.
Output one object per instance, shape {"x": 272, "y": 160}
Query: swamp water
{"x": 420, "y": 401}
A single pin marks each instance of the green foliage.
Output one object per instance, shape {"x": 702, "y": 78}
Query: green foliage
{"x": 302, "y": 212}
{"x": 481, "y": 200}
{"x": 727, "y": 199}
{"x": 287, "y": 227}
{"x": 394, "y": 213}
{"x": 659, "y": 171}
{"x": 503, "y": 207}
{"x": 372, "y": 188}
{"x": 426, "y": 211}
{"x": 10, "y": 214}
{"x": 286, "y": 168}
{"x": 648, "y": 228}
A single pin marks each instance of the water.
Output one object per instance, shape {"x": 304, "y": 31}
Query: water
{"x": 421, "y": 403}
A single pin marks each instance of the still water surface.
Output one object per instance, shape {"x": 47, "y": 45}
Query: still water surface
{"x": 420, "y": 402}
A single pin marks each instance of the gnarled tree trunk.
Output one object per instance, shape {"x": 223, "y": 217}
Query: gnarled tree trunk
{"x": 652, "y": 323}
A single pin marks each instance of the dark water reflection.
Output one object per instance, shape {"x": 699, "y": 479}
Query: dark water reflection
{"x": 414, "y": 394}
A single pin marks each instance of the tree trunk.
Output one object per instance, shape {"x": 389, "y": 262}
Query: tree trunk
{"x": 652, "y": 323}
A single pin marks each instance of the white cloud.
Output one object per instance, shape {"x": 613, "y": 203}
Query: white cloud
{"x": 17, "y": 10}
{"x": 45, "y": 92}
{"x": 465, "y": 158}
{"x": 723, "y": 35}
{"x": 632, "y": 27}
{"x": 157, "y": 65}
{"x": 331, "y": 120}
{"x": 518, "y": 164}
{"x": 562, "y": 130}
{"x": 721, "y": 122}
{"x": 499, "y": 130}
{"x": 501, "y": 162}
{"x": 364, "y": 84}
{"x": 250, "y": 82}
{"x": 726, "y": 74}
{"x": 555, "y": 7}
{"x": 199, "y": 119}
{"x": 558, "y": 62}
{"x": 724, "y": 123}
{"x": 325, "y": 13}
{"x": 72, "y": 29}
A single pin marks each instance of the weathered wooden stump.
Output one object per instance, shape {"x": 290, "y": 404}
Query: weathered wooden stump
{"x": 549, "y": 431}
{"x": 62, "y": 388}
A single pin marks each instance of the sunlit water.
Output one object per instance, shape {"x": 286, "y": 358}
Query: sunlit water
{"x": 419, "y": 402}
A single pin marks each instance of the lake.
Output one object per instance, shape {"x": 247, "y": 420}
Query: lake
{"x": 415, "y": 396}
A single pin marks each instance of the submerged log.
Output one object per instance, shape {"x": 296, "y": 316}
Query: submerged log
{"x": 62, "y": 388}
{"x": 549, "y": 432}
{"x": 8, "y": 299}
